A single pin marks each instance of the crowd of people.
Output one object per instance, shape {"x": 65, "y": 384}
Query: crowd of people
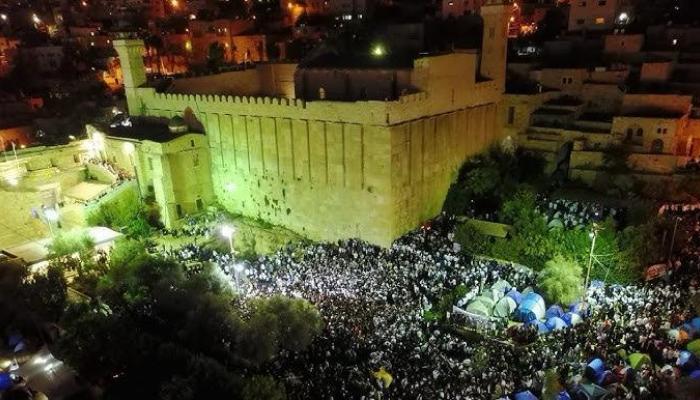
{"x": 571, "y": 214}
{"x": 373, "y": 302}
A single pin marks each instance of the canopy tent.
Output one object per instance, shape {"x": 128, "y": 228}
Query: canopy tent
{"x": 487, "y": 301}
{"x": 554, "y": 311}
{"x": 515, "y": 295}
{"x": 591, "y": 391}
{"x": 563, "y": 395}
{"x": 695, "y": 323}
{"x": 572, "y": 319}
{"x": 528, "y": 290}
{"x": 502, "y": 286}
{"x": 686, "y": 360}
{"x": 532, "y": 307}
{"x": 555, "y": 323}
{"x": 595, "y": 368}
{"x": 578, "y": 308}
{"x": 526, "y": 395}
{"x": 478, "y": 308}
{"x": 504, "y": 307}
{"x": 5, "y": 381}
{"x": 694, "y": 347}
{"x": 606, "y": 378}
{"x": 541, "y": 326}
{"x": 636, "y": 360}
{"x": 493, "y": 295}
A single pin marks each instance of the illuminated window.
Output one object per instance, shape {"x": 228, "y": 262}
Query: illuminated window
{"x": 321, "y": 93}
{"x": 600, "y": 21}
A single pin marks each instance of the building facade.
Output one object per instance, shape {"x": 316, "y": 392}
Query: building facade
{"x": 334, "y": 169}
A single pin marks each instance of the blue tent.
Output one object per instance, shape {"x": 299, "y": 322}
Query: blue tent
{"x": 526, "y": 395}
{"x": 515, "y": 295}
{"x": 686, "y": 360}
{"x": 695, "y": 374}
{"x": 13, "y": 340}
{"x": 5, "y": 381}
{"x": 602, "y": 379}
{"x": 571, "y": 319}
{"x": 695, "y": 323}
{"x": 554, "y": 311}
{"x": 563, "y": 395}
{"x": 688, "y": 327}
{"x": 555, "y": 323}
{"x": 541, "y": 326}
{"x": 578, "y": 308}
{"x": 531, "y": 308}
{"x": 595, "y": 368}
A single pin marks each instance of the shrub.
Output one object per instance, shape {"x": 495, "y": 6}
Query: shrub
{"x": 560, "y": 280}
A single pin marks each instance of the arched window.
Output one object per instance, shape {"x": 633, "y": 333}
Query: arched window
{"x": 640, "y": 132}
{"x": 321, "y": 93}
{"x": 657, "y": 146}
{"x": 630, "y": 134}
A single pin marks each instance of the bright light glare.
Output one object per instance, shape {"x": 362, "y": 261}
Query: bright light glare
{"x": 378, "y": 50}
{"x": 227, "y": 231}
{"x": 623, "y": 17}
{"x": 128, "y": 148}
{"x": 3, "y": 17}
{"x": 35, "y": 19}
{"x": 51, "y": 214}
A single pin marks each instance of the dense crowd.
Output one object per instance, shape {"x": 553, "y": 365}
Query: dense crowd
{"x": 373, "y": 302}
{"x": 574, "y": 214}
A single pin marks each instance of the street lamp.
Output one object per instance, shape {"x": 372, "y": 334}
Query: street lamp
{"x": 227, "y": 231}
{"x": 593, "y": 234}
{"x": 51, "y": 216}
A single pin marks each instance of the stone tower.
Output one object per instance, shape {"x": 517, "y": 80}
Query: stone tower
{"x": 496, "y": 17}
{"x": 130, "y": 53}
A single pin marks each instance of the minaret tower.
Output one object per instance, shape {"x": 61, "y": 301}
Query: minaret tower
{"x": 130, "y": 53}
{"x": 496, "y": 16}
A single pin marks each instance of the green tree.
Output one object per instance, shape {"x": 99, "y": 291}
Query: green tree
{"x": 560, "y": 280}
{"x": 261, "y": 387}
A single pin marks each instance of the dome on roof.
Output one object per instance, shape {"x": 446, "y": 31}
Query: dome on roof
{"x": 177, "y": 125}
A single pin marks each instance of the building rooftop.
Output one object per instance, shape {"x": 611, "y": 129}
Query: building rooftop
{"x": 653, "y": 113}
{"x": 145, "y": 128}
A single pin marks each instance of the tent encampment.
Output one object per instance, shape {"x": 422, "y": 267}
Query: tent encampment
{"x": 572, "y": 319}
{"x": 485, "y": 300}
{"x": 502, "y": 286}
{"x": 532, "y": 307}
{"x": 554, "y": 311}
{"x": 515, "y": 295}
{"x": 478, "y": 308}
{"x": 504, "y": 307}
{"x": 555, "y": 323}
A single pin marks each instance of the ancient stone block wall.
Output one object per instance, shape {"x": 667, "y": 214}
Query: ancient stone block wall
{"x": 333, "y": 170}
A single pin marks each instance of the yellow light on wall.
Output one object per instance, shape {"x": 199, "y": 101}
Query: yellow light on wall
{"x": 188, "y": 45}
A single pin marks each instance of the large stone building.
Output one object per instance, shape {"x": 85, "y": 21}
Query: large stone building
{"x": 336, "y": 161}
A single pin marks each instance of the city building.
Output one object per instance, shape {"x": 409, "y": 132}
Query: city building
{"x": 344, "y": 166}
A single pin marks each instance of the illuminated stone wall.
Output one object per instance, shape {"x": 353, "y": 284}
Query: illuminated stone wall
{"x": 334, "y": 169}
